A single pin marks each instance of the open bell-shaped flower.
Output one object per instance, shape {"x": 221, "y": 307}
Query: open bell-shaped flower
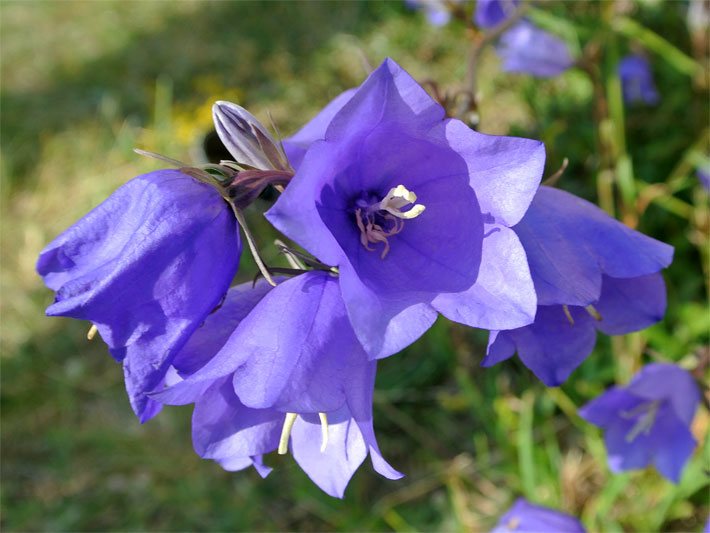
{"x": 407, "y": 205}
{"x": 273, "y": 365}
{"x": 591, "y": 273}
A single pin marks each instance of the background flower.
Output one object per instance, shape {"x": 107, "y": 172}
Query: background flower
{"x": 648, "y": 421}
{"x": 637, "y": 80}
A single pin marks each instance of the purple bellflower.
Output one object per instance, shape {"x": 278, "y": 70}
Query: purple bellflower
{"x": 145, "y": 267}
{"x": 637, "y": 80}
{"x": 437, "y": 12}
{"x": 525, "y": 517}
{"x": 490, "y": 13}
{"x": 527, "y": 49}
{"x": 414, "y": 210}
{"x": 704, "y": 177}
{"x": 591, "y": 273}
{"x": 648, "y": 421}
{"x": 274, "y": 364}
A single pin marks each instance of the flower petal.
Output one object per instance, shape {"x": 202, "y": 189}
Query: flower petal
{"x": 298, "y": 347}
{"x": 297, "y": 145}
{"x": 570, "y": 243}
{"x": 503, "y": 296}
{"x": 332, "y": 468}
{"x": 505, "y": 172}
{"x": 383, "y": 326}
{"x": 664, "y": 381}
{"x": 223, "y": 428}
{"x": 633, "y": 304}
{"x": 551, "y": 347}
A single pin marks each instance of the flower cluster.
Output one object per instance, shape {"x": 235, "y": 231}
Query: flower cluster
{"x": 403, "y": 214}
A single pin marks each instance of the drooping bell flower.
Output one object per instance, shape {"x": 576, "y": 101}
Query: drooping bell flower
{"x": 527, "y": 49}
{"x": 637, "y": 80}
{"x": 491, "y": 13}
{"x": 412, "y": 208}
{"x": 280, "y": 364}
{"x": 591, "y": 273}
{"x": 525, "y": 517}
{"x": 648, "y": 421}
{"x": 145, "y": 267}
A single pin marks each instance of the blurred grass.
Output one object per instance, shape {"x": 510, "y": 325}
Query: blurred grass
{"x": 83, "y": 83}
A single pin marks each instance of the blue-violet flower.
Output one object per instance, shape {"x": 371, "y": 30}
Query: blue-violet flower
{"x": 637, "y": 80}
{"x": 525, "y": 517}
{"x": 527, "y": 49}
{"x": 145, "y": 267}
{"x": 414, "y": 210}
{"x": 648, "y": 421}
{"x": 273, "y": 364}
{"x": 591, "y": 273}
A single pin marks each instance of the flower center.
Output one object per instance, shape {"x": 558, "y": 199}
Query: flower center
{"x": 645, "y": 414}
{"x": 378, "y": 219}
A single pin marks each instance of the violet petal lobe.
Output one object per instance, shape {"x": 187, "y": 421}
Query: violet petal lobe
{"x": 383, "y": 326}
{"x": 525, "y": 517}
{"x": 527, "y": 49}
{"x": 503, "y": 296}
{"x": 296, "y": 145}
{"x": 552, "y": 347}
{"x": 570, "y": 243}
{"x": 136, "y": 267}
{"x": 505, "y": 172}
{"x": 627, "y": 305}
{"x": 490, "y": 13}
{"x": 202, "y": 359}
{"x": 223, "y": 427}
{"x": 298, "y": 347}
{"x": 637, "y": 83}
{"x": 660, "y": 381}
{"x": 332, "y": 468}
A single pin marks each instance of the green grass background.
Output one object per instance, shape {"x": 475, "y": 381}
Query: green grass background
{"x": 83, "y": 83}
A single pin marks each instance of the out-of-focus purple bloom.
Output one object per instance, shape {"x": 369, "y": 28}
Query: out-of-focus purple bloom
{"x": 591, "y": 273}
{"x": 530, "y": 50}
{"x": 525, "y": 517}
{"x": 637, "y": 80}
{"x": 437, "y": 12}
{"x": 413, "y": 209}
{"x": 648, "y": 421}
{"x": 490, "y": 13}
{"x": 704, "y": 177}
{"x": 275, "y": 357}
{"x": 145, "y": 267}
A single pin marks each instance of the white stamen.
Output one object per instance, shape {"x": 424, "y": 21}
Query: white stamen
{"x": 92, "y": 332}
{"x": 593, "y": 312}
{"x": 399, "y": 197}
{"x": 324, "y": 431}
{"x": 286, "y": 432}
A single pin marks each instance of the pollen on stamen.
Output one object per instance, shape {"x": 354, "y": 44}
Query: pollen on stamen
{"x": 399, "y": 197}
{"x": 92, "y": 332}
{"x": 379, "y": 220}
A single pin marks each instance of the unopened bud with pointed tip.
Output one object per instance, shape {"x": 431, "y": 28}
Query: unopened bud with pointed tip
{"x": 247, "y": 139}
